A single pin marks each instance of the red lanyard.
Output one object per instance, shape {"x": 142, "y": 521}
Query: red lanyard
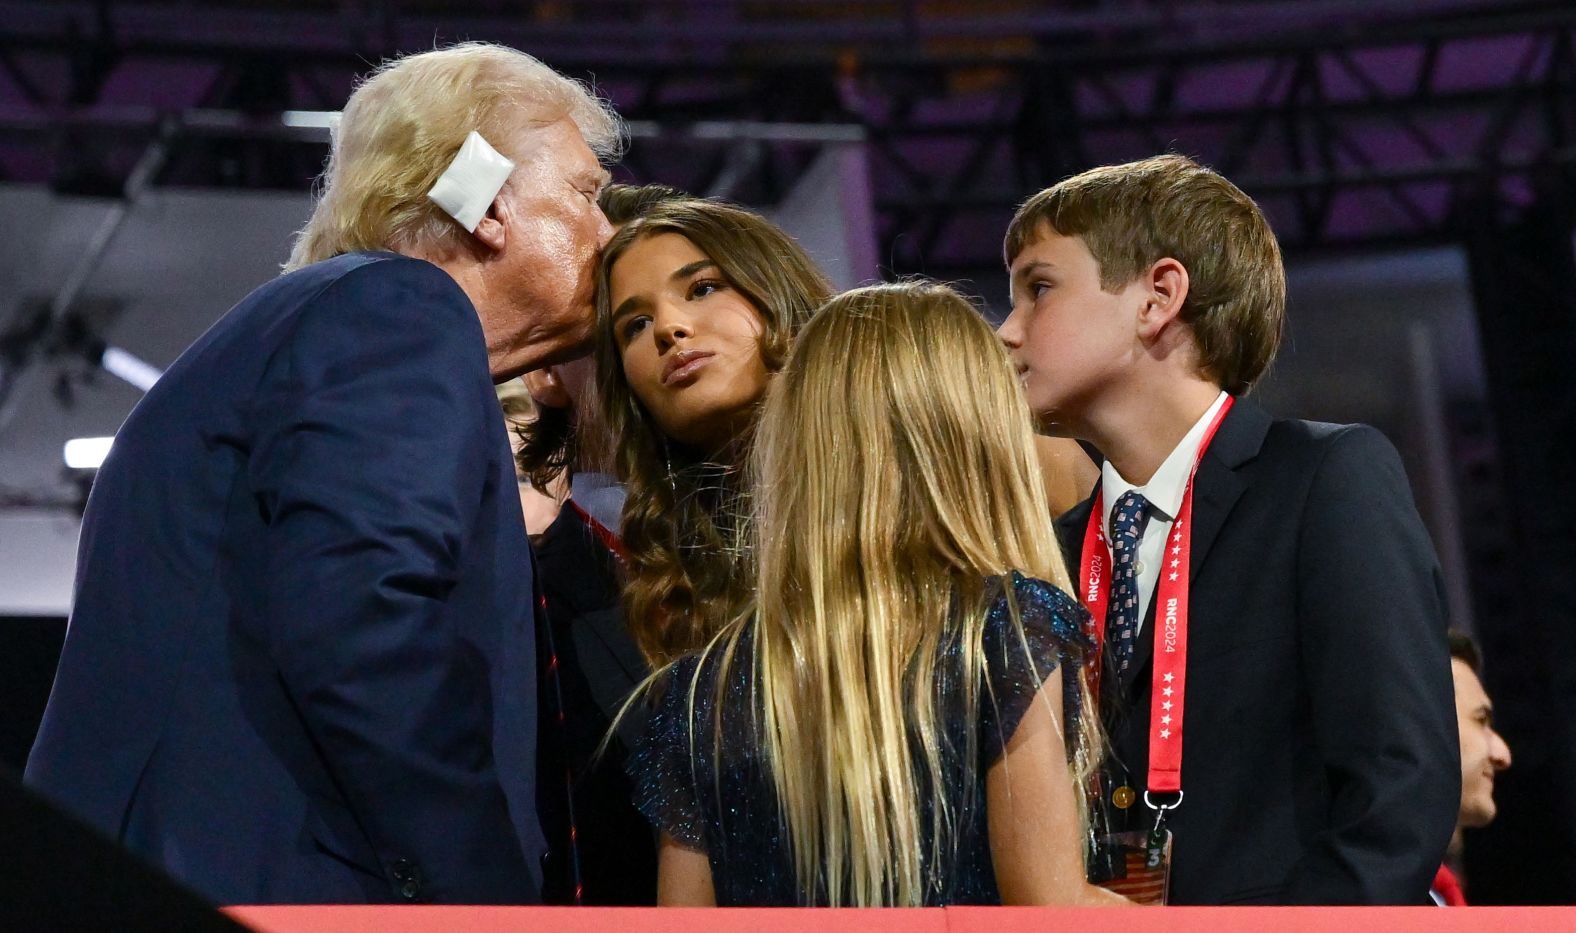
{"x": 1171, "y": 600}
{"x": 604, "y": 534}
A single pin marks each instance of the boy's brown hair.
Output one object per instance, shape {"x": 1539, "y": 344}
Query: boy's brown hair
{"x": 1131, "y": 216}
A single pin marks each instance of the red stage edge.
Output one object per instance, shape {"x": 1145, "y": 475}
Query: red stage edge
{"x": 417, "y": 919}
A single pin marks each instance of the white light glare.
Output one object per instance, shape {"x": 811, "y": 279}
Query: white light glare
{"x": 120, "y": 363}
{"x": 87, "y": 453}
{"x": 311, "y": 119}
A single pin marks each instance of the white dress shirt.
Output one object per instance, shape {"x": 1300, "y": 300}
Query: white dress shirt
{"x": 1164, "y": 492}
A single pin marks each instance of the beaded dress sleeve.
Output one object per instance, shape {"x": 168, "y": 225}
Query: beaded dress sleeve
{"x": 1054, "y": 638}
{"x": 667, "y": 779}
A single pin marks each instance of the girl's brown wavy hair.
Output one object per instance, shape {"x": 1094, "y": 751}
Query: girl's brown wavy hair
{"x": 688, "y": 571}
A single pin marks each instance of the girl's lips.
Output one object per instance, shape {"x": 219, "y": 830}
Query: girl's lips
{"x": 684, "y": 364}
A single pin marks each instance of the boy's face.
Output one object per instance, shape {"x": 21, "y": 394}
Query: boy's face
{"x": 1069, "y": 338}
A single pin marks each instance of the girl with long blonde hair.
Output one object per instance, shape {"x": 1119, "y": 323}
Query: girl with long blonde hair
{"x": 899, "y": 719}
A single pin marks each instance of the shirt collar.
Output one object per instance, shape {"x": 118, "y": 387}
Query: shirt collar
{"x": 601, "y": 496}
{"x": 1166, "y": 488}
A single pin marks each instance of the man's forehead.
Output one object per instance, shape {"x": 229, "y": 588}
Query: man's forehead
{"x": 561, "y": 142}
{"x": 1469, "y": 687}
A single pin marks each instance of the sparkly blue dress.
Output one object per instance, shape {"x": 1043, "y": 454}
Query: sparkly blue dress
{"x": 725, "y": 805}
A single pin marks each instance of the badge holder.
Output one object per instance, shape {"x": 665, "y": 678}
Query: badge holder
{"x": 1136, "y": 864}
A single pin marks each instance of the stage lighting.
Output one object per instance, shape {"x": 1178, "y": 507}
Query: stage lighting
{"x": 87, "y": 453}
{"x": 311, "y": 119}
{"x": 118, "y": 362}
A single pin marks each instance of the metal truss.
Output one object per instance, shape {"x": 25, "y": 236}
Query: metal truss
{"x": 1384, "y": 136}
{"x": 1352, "y": 123}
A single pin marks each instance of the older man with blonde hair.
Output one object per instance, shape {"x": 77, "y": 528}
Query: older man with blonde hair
{"x": 300, "y": 665}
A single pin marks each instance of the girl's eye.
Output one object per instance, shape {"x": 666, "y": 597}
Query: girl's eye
{"x": 704, "y": 287}
{"x": 1039, "y": 288}
{"x": 633, "y": 326}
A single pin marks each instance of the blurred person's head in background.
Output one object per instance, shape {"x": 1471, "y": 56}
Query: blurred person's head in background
{"x": 1483, "y": 751}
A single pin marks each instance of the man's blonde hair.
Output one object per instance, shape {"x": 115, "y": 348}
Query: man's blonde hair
{"x": 1131, "y": 216}
{"x": 402, "y": 127}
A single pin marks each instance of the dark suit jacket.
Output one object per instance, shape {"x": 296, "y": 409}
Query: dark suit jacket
{"x": 591, "y": 665}
{"x": 1320, "y": 760}
{"x": 300, "y": 666}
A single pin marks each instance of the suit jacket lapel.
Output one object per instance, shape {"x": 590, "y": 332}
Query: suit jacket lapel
{"x": 1070, "y": 528}
{"x": 1215, "y": 491}
{"x": 1217, "y": 486}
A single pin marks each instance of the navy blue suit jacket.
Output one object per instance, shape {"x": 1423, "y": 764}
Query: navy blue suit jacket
{"x": 300, "y": 667}
{"x": 1320, "y": 764}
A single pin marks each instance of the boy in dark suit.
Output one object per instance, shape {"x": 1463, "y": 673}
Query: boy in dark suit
{"x": 1302, "y": 650}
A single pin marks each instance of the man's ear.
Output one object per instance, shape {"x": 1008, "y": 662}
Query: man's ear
{"x": 547, "y": 387}
{"x": 1166, "y": 284}
{"x": 493, "y": 230}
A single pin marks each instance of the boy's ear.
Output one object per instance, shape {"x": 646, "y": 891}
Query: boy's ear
{"x": 547, "y": 388}
{"x": 1167, "y": 287}
{"x": 493, "y": 229}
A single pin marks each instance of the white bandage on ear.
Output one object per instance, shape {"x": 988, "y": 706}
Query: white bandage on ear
{"x": 467, "y": 187}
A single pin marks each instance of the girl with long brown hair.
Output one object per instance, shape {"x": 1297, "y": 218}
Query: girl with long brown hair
{"x": 899, "y": 717}
{"x": 697, "y": 304}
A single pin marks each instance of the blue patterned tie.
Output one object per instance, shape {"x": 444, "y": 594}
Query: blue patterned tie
{"x": 1121, "y": 616}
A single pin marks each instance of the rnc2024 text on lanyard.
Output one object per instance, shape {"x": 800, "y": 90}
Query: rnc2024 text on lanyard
{"x": 1171, "y": 601}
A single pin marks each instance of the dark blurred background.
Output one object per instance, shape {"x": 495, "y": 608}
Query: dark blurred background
{"x": 1416, "y": 157}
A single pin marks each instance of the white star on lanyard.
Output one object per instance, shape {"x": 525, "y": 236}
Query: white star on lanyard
{"x": 1165, "y": 733}
{"x": 1170, "y": 677}
{"x": 1177, "y": 549}
{"x": 1173, "y": 578}
{"x": 1167, "y": 690}
{"x": 1166, "y": 705}
{"x": 1166, "y": 720}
